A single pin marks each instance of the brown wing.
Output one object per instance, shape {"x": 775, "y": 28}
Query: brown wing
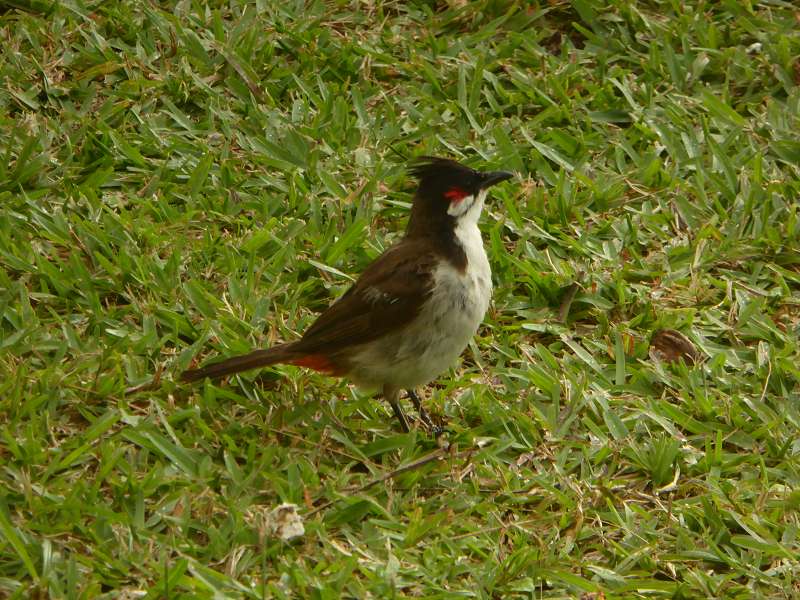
{"x": 388, "y": 295}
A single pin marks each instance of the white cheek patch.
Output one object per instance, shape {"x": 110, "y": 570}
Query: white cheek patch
{"x": 459, "y": 207}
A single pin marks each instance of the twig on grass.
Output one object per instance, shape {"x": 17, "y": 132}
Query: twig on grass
{"x": 433, "y": 456}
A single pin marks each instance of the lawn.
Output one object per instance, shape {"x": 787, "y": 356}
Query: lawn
{"x": 182, "y": 180}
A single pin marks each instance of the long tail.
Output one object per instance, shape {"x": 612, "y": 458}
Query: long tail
{"x": 283, "y": 353}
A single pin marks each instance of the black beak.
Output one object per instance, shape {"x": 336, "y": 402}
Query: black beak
{"x": 493, "y": 177}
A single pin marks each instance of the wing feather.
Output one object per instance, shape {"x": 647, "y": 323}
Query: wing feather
{"x": 387, "y": 296}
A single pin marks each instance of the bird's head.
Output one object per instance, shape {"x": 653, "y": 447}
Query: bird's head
{"x": 450, "y": 192}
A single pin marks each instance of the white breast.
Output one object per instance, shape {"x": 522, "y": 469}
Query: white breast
{"x": 447, "y": 321}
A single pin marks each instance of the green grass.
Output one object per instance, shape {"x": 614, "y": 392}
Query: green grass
{"x": 179, "y": 181}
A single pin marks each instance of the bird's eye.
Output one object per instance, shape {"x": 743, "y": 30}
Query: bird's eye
{"x": 455, "y": 194}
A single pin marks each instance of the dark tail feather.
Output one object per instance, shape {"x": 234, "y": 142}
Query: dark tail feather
{"x": 245, "y": 362}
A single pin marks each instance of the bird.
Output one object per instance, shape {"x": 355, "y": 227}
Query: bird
{"x": 414, "y": 309}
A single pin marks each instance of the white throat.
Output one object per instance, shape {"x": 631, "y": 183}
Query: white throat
{"x": 468, "y": 209}
{"x": 469, "y": 236}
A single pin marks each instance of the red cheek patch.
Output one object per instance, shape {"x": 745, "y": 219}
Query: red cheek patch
{"x": 455, "y": 194}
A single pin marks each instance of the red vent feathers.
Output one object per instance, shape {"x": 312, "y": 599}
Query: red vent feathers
{"x": 318, "y": 362}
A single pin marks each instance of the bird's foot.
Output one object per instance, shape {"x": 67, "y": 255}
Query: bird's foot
{"x": 424, "y": 417}
{"x": 401, "y": 416}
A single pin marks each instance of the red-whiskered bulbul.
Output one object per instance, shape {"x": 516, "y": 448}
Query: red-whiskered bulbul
{"x": 414, "y": 309}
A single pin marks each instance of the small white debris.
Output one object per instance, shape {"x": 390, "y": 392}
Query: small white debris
{"x": 284, "y": 522}
{"x": 754, "y": 48}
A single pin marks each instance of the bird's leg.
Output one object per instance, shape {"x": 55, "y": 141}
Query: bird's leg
{"x": 392, "y": 396}
{"x": 423, "y": 414}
